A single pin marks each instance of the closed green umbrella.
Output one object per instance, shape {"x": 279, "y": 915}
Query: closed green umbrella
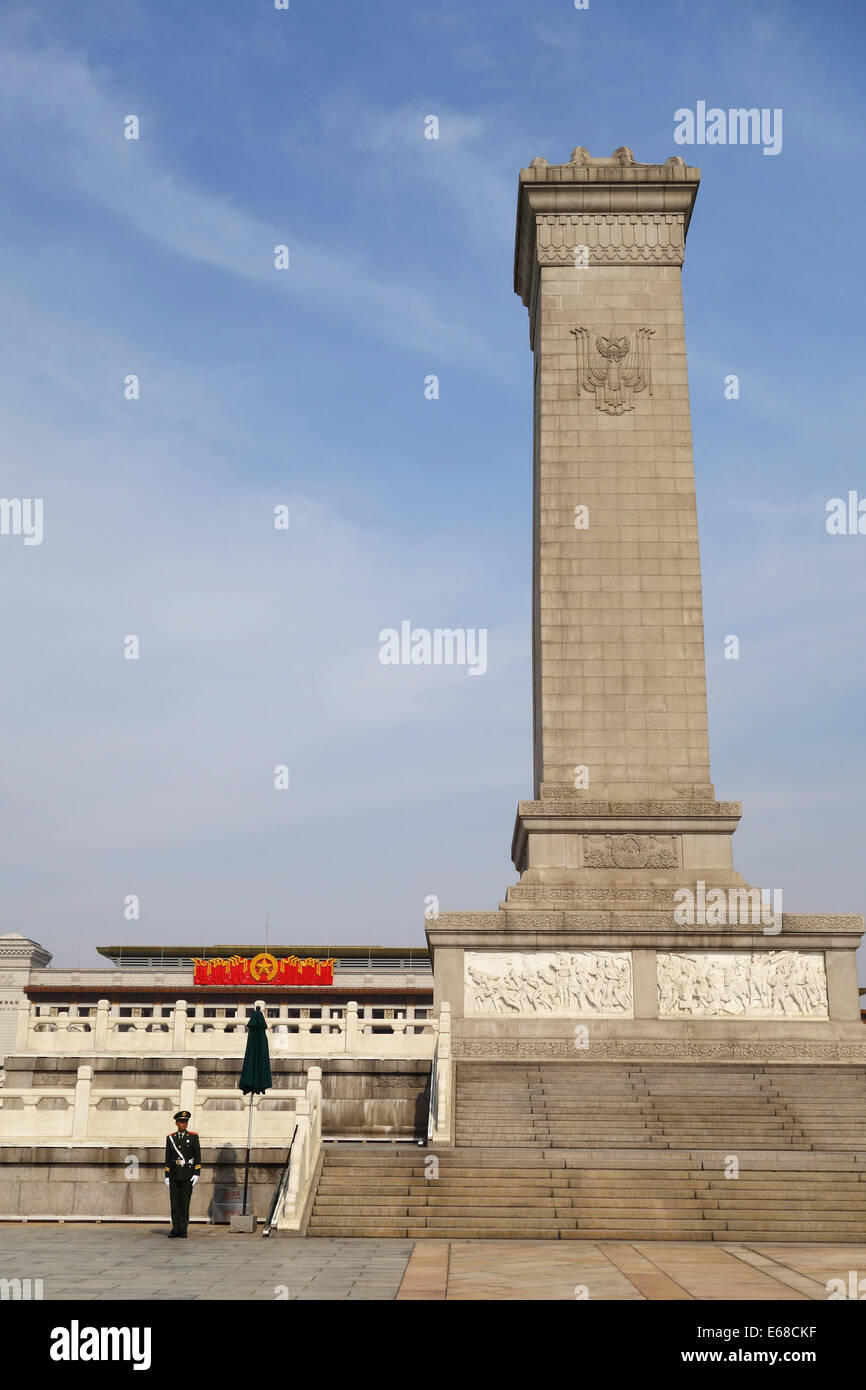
{"x": 255, "y": 1076}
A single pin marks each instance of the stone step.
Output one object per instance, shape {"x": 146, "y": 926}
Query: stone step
{"x": 795, "y": 1208}
{"x": 646, "y": 1144}
{"x": 592, "y": 1129}
{"x": 467, "y": 1232}
{"x": 709, "y": 1175}
{"x": 478, "y": 1114}
{"x": 409, "y": 1232}
{"x": 655, "y": 1120}
{"x": 816, "y": 1167}
{"x": 603, "y": 1151}
{"x": 543, "y": 1193}
{"x": 561, "y": 1197}
{"x": 505, "y": 1223}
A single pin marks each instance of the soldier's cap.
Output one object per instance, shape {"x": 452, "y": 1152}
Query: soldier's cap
{"x": 182, "y": 1115}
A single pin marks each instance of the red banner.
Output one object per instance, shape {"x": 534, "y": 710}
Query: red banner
{"x": 263, "y": 969}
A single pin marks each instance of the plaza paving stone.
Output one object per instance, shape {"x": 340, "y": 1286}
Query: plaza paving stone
{"x": 104, "y": 1262}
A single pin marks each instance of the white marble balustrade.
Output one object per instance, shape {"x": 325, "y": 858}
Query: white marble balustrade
{"x": 142, "y": 1116}
{"x": 109, "y": 1029}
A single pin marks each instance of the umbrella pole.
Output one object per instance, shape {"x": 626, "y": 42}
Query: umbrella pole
{"x": 249, "y": 1141}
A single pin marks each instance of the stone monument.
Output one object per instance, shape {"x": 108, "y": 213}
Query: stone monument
{"x": 629, "y": 935}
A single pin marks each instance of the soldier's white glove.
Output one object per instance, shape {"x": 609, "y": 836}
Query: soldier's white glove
{"x": 194, "y": 1179}
{"x": 166, "y": 1182}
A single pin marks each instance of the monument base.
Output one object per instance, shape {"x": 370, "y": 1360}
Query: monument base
{"x": 637, "y": 985}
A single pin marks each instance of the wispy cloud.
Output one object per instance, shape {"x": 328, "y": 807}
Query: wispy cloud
{"x": 79, "y": 118}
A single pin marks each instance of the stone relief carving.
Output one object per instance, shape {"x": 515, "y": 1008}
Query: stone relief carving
{"x": 609, "y": 1050}
{"x": 631, "y": 851}
{"x": 529, "y": 892}
{"x": 574, "y": 984}
{"x": 615, "y": 239}
{"x": 622, "y": 155}
{"x": 627, "y": 371}
{"x": 469, "y": 921}
{"x": 400, "y": 1083}
{"x": 558, "y": 804}
{"x": 813, "y": 921}
{"x": 764, "y": 984}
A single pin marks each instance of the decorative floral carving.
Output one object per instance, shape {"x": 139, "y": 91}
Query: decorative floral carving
{"x": 690, "y": 1050}
{"x": 556, "y": 802}
{"x": 630, "y": 851}
{"x": 531, "y": 892}
{"x": 399, "y": 1083}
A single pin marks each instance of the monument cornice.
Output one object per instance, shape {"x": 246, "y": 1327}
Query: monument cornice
{"x": 560, "y": 802}
{"x": 516, "y": 928}
{"x": 613, "y": 189}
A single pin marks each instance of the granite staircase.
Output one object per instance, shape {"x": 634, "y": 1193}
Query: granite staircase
{"x": 592, "y": 1151}
{"x": 585, "y": 1104}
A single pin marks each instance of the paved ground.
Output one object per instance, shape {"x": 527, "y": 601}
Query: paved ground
{"x": 104, "y": 1262}
{"x": 618, "y": 1270}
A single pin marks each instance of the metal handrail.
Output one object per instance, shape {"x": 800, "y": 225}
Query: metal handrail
{"x": 280, "y": 1188}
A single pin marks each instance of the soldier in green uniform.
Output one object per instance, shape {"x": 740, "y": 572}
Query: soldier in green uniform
{"x": 182, "y": 1171}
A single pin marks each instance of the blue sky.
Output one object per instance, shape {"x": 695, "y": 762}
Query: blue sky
{"x": 306, "y": 387}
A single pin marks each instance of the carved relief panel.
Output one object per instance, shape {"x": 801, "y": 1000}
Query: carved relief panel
{"x": 610, "y": 239}
{"x": 762, "y": 984}
{"x": 563, "y": 984}
{"x": 631, "y": 851}
{"x": 614, "y": 369}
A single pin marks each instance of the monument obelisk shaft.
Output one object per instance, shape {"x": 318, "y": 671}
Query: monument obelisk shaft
{"x": 619, "y": 684}
{"x": 619, "y": 681}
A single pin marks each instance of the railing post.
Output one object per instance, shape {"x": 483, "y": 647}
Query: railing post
{"x": 314, "y": 1096}
{"x": 81, "y": 1104}
{"x": 100, "y": 1035}
{"x": 300, "y": 1156}
{"x": 22, "y": 1031}
{"x": 188, "y": 1086}
{"x": 351, "y": 1034}
{"x": 178, "y": 1040}
{"x": 443, "y": 1074}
